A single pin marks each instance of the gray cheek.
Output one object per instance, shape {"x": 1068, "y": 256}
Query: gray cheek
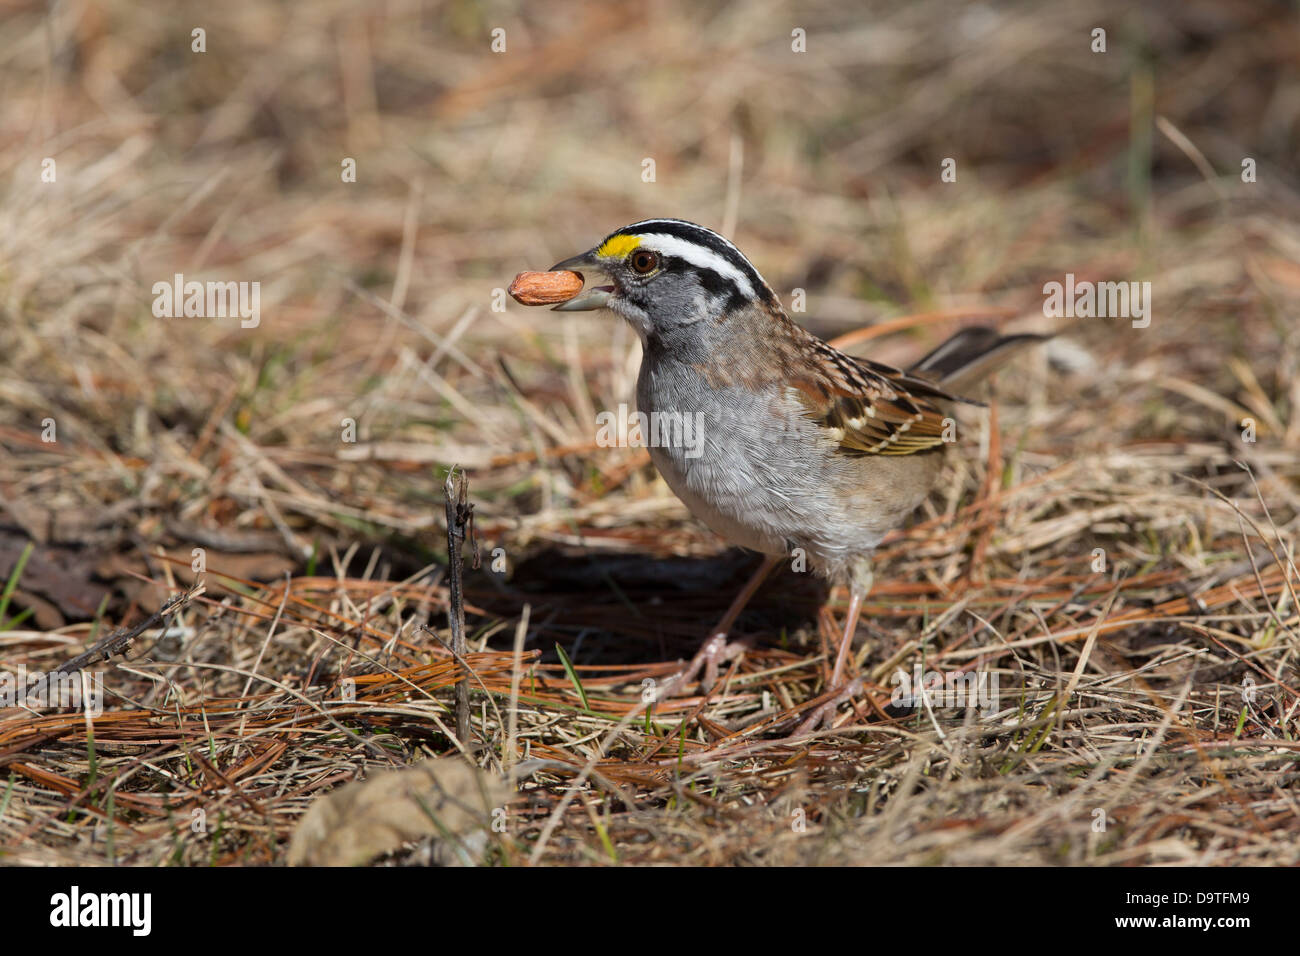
{"x": 679, "y": 302}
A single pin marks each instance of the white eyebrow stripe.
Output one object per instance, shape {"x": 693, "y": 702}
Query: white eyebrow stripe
{"x": 697, "y": 255}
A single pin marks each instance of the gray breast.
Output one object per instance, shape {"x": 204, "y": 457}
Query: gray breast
{"x": 756, "y": 470}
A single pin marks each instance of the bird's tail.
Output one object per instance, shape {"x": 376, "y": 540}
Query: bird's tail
{"x": 970, "y": 356}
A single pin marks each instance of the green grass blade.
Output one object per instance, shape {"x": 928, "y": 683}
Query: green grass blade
{"x": 12, "y": 584}
{"x": 573, "y": 676}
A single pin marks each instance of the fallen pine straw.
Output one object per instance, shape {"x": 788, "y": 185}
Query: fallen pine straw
{"x": 1113, "y": 539}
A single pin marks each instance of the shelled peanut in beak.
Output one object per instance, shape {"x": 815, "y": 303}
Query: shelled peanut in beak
{"x": 545, "y": 288}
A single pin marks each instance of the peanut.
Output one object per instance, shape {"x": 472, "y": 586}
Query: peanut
{"x": 545, "y": 288}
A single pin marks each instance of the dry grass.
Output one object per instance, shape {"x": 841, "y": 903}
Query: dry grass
{"x": 1121, "y": 690}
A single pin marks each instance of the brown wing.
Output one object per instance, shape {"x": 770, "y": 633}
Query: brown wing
{"x": 869, "y": 408}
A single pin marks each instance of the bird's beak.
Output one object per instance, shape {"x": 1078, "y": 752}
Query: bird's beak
{"x": 597, "y": 297}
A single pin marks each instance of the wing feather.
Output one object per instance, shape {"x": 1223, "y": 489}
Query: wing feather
{"x": 870, "y": 408}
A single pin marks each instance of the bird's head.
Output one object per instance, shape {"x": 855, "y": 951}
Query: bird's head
{"x": 668, "y": 274}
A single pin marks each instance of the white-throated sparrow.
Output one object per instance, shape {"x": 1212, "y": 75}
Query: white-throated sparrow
{"x": 803, "y": 446}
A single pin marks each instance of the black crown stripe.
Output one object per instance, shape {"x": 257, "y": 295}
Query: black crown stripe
{"x": 691, "y": 232}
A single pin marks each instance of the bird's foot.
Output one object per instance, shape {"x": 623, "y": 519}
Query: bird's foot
{"x": 713, "y": 653}
{"x": 824, "y": 713}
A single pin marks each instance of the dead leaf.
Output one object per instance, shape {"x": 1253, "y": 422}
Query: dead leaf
{"x": 60, "y": 579}
{"x": 441, "y": 797}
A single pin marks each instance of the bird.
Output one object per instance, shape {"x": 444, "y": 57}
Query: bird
{"x": 804, "y": 450}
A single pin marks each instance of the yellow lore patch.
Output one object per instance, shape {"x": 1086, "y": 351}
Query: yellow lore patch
{"x": 616, "y": 247}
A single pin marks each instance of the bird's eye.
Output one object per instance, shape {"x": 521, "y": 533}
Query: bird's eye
{"x": 644, "y": 262}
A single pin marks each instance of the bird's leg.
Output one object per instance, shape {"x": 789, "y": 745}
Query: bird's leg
{"x": 856, "y": 594}
{"x": 741, "y": 601}
{"x": 860, "y": 581}
{"x": 716, "y": 649}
